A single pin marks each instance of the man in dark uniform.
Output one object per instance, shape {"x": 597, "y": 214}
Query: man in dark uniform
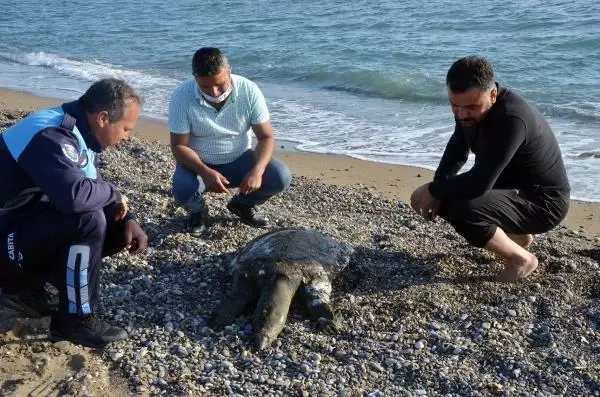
{"x": 58, "y": 218}
{"x": 518, "y": 185}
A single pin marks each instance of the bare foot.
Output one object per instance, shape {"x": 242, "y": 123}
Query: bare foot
{"x": 524, "y": 240}
{"x": 516, "y": 271}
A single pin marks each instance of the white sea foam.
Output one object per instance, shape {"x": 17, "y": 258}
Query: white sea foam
{"x": 154, "y": 87}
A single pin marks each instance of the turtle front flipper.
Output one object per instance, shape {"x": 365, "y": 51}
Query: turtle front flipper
{"x": 316, "y": 295}
{"x": 273, "y": 306}
{"x": 243, "y": 292}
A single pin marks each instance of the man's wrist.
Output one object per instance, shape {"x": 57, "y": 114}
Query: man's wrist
{"x": 129, "y": 216}
{"x": 259, "y": 169}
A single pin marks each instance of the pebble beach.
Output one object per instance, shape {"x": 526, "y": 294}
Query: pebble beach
{"x": 421, "y": 313}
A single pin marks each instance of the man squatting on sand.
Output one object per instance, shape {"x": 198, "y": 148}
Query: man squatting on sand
{"x": 518, "y": 185}
{"x": 210, "y": 118}
{"x": 58, "y": 217}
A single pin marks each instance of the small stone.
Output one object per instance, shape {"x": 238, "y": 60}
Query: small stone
{"x": 339, "y": 354}
{"x": 420, "y": 392}
{"x": 62, "y": 345}
{"x": 116, "y": 356}
{"x": 511, "y": 313}
{"x": 180, "y": 334}
{"x": 463, "y": 317}
{"x": 531, "y": 298}
{"x": 143, "y": 351}
{"x": 517, "y": 372}
{"x": 486, "y": 325}
{"x": 182, "y": 351}
{"x": 420, "y": 345}
{"x": 228, "y": 365}
{"x": 435, "y": 326}
{"x": 161, "y": 382}
{"x": 376, "y": 366}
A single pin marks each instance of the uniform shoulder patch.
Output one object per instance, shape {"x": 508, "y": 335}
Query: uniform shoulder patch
{"x": 70, "y": 152}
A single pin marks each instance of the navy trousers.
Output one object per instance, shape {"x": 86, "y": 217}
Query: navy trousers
{"x": 66, "y": 250}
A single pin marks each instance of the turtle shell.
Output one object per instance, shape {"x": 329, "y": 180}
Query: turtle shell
{"x": 295, "y": 245}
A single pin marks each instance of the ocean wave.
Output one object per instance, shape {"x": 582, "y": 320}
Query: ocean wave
{"x": 154, "y": 87}
{"x": 89, "y": 70}
{"x": 409, "y": 86}
{"x": 586, "y": 111}
{"x": 587, "y": 155}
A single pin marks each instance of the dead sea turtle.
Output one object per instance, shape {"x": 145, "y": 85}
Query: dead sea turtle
{"x": 272, "y": 268}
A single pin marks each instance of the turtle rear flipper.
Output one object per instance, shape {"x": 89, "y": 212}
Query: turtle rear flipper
{"x": 273, "y": 306}
{"x": 316, "y": 296}
{"x": 244, "y": 292}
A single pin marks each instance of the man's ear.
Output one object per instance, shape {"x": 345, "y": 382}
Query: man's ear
{"x": 103, "y": 119}
{"x": 493, "y": 95}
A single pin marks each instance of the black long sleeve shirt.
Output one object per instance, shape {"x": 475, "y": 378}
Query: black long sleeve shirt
{"x": 514, "y": 148}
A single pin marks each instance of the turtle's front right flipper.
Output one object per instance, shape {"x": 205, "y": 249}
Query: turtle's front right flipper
{"x": 243, "y": 293}
{"x": 316, "y": 296}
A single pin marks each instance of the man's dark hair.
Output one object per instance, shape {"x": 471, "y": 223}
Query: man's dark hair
{"x": 110, "y": 95}
{"x": 208, "y": 61}
{"x": 470, "y": 72}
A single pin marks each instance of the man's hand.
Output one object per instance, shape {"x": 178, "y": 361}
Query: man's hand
{"x": 252, "y": 181}
{"x": 424, "y": 203}
{"x": 124, "y": 207}
{"x": 135, "y": 239}
{"x": 215, "y": 182}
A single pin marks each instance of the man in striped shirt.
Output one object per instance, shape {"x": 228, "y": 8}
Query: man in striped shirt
{"x": 210, "y": 119}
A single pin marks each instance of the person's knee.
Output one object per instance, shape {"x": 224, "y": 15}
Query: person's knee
{"x": 93, "y": 222}
{"x": 280, "y": 178}
{"x": 184, "y": 186}
{"x": 457, "y": 210}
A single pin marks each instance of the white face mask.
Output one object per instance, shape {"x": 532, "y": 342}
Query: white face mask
{"x": 220, "y": 98}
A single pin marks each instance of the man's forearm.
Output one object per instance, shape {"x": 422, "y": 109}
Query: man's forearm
{"x": 187, "y": 157}
{"x": 264, "y": 152}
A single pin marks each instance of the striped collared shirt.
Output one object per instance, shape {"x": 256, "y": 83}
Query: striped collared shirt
{"x": 219, "y": 137}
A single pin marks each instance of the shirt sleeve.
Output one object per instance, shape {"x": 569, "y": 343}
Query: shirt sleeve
{"x": 497, "y": 150}
{"x": 259, "y": 112}
{"x": 179, "y": 122}
{"x": 455, "y": 156}
{"x": 49, "y": 162}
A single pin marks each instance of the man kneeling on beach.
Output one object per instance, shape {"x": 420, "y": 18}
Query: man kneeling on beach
{"x": 210, "y": 117}
{"x": 518, "y": 185}
{"x": 58, "y": 218}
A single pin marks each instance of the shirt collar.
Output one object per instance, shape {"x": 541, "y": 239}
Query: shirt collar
{"x": 232, "y": 97}
{"x": 77, "y": 110}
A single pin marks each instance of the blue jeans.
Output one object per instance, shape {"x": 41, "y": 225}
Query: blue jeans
{"x": 188, "y": 187}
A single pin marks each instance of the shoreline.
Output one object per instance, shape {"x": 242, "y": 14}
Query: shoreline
{"x": 392, "y": 181}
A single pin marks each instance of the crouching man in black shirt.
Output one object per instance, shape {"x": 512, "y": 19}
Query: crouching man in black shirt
{"x": 518, "y": 185}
